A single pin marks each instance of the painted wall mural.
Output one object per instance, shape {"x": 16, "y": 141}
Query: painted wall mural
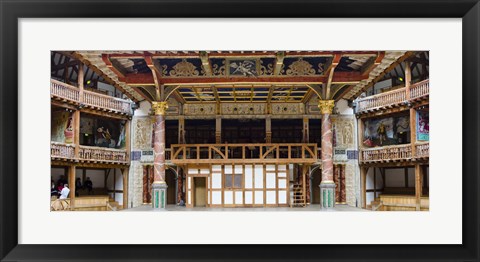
{"x": 386, "y": 131}
{"x": 422, "y": 126}
{"x": 59, "y": 125}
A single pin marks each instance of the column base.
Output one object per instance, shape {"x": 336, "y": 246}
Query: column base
{"x": 159, "y": 195}
{"x": 327, "y": 194}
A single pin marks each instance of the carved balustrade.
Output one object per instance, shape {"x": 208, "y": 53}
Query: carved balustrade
{"x": 422, "y": 149}
{"x": 395, "y": 97}
{"x": 243, "y": 153}
{"x": 62, "y": 151}
{"x": 420, "y": 89}
{"x": 105, "y": 102}
{"x": 69, "y": 93}
{"x": 101, "y": 154}
{"x": 64, "y": 91}
{"x": 386, "y": 153}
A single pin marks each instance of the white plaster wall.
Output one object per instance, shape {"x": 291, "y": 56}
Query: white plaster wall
{"x": 56, "y": 173}
{"x": 395, "y": 177}
{"x": 143, "y": 109}
{"x": 342, "y": 107}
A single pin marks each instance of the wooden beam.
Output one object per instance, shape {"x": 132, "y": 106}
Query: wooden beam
{"x": 380, "y": 76}
{"x": 278, "y": 62}
{"x": 372, "y": 63}
{"x": 114, "y": 67}
{"x": 147, "y": 79}
{"x": 330, "y": 72}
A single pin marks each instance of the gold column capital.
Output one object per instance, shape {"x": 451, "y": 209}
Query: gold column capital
{"x": 326, "y": 106}
{"x": 159, "y": 107}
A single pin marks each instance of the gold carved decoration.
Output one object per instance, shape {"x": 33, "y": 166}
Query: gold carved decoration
{"x": 184, "y": 68}
{"x": 300, "y": 68}
{"x": 219, "y": 70}
{"x": 268, "y": 70}
{"x": 326, "y": 106}
{"x": 159, "y": 108}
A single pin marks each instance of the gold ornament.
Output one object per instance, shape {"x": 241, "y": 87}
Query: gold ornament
{"x": 159, "y": 108}
{"x": 326, "y": 106}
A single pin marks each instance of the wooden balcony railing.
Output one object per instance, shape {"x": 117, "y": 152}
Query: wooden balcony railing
{"x": 395, "y": 97}
{"x": 100, "y": 154}
{"x": 66, "y": 152}
{"x": 105, "y": 102}
{"x": 64, "y": 91}
{"x": 243, "y": 153}
{"x": 62, "y": 150}
{"x": 69, "y": 93}
{"x": 386, "y": 153}
{"x": 420, "y": 89}
{"x": 422, "y": 149}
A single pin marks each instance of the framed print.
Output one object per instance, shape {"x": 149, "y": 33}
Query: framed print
{"x": 301, "y": 134}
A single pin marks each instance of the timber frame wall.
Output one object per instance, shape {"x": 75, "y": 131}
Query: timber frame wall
{"x": 415, "y": 154}
{"x": 75, "y": 155}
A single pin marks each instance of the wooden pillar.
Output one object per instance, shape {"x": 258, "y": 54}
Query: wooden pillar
{"x": 413, "y": 112}
{"x": 125, "y": 187}
{"x": 306, "y": 133}
{"x": 81, "y": 81}
{"x": 76, "y": 132}
{"x": 181, "y": 130}
{"x": 363, "y": 181}
{"x": 128, "y": 138}
{"x": 218, "y": 129}
{"x": 418, "y": 186}
{"x": 360, "y": 138}
{"x": 71, "y": 185}
{"x": 114, "y": 182}
{"x": 268, "y": 129}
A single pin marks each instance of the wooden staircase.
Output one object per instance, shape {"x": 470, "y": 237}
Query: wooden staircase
{"x": 299, "y": 199}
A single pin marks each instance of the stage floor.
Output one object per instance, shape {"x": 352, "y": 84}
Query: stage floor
{"x": 311, "y": 208}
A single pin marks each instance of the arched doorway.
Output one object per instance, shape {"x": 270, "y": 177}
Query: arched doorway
{"x": 171, "y": 180}
{"x": 315, "y": 178}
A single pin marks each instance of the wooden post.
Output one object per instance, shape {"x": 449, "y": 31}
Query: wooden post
{"x": 363, "y": 178}
{"x": 76, "y": 132}
{"x": 218, "y": 129}
{"x": 413, "y": 112}
{"x": 81, "y": 80}
{"x": 71, "y": 185}
{"x": 306, "y": 134}
{"x": 114, "y": 182}
{"x": 181, "y": 130}
{"x": 418, "y": 186}
{"x": 268, "y": 129}
{"x": 125, "y": 187}
{"x": 408, "y": 79}
{"x": 360, "y": 135}
{"x": 127, "y": 139}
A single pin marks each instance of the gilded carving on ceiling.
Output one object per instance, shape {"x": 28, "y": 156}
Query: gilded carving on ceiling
{"x": 300, "y": 68}
{"x": 184, "y": 68}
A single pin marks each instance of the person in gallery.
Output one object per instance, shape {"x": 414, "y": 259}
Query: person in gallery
{"x": 78, "y": 185}
{"x": 89, "y": 185}
{"x": 53, "y": 190}
{"x": 382, "y": 133}
{"x": 64, "y": 193}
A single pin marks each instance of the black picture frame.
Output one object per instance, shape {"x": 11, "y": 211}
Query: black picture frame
{"x": 10, "y": 11}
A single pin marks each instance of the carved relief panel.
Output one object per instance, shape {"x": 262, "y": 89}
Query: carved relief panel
{"x": 142, "y": 130}
{"x": 243, "y": 109}
{"x": 199, "y": 109}
{"x": 287, "y": 108}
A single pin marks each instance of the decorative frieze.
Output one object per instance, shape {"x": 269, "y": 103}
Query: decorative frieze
{"x": 287, "y": 108}
{"x": 242, "y": 109}
{"x": 142, "y": 130}
{"x": 199, "y": 109}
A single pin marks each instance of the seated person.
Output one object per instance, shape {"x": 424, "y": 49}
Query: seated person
{"x": 88, "y": 185}
{"x": 64, "y": 193}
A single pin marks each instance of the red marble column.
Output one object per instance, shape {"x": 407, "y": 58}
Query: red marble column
{"x": 327, "y": 186}
{"x": 159, "y": 187}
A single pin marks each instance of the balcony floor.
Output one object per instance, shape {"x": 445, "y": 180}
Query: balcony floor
{"x": 311, "y": 208}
